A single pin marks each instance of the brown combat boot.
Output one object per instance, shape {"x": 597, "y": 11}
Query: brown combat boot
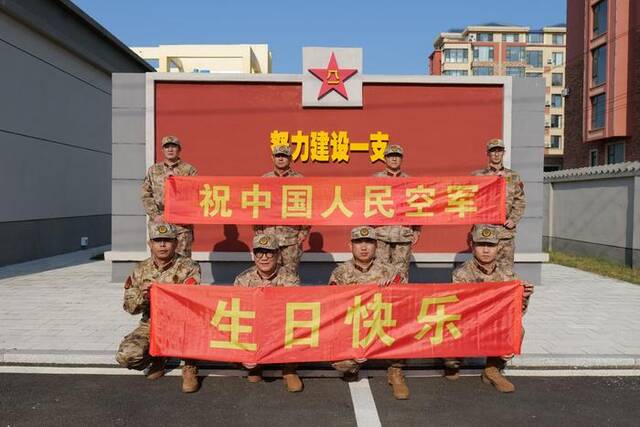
{"x": 156, "y": 370}
{"x": 291, "y": 379}
{"x": 255, "y": 375}
{"x": 190, "y": 382}
{"x": 492, "y": 375}
{"x": 396, "y": 380}
{"x": 451, "y": 373}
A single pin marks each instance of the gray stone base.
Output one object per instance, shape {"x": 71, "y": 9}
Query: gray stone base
{"x": 622, "y": 256}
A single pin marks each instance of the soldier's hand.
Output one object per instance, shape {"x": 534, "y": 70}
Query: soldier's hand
{"x": 385, "y": 282}
{"x": 249, "y": 365}
{"x": 360, "y": 360}
{"x": 415, "y": 238}
{"x": 528, "y": 289}
{"x": 301, "y": 238}
{"x": 127, "y": 283}
{"x": 509, "y": 224}
{"x": 144, "y": 288}
{"x": 158, "y": 219}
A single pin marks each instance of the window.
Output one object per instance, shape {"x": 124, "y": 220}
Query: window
{"x": 597, "y": 111}
{"x": 511, "y": 37}
{"x": 557, "y": 39}
{"x": 515, "y": 53}
{"x": 556, "y": 121}
{"x": 455, "y": 73}
{"x": 615, "y": 153}
{"x": 485, "y": 37}
{"x": 556, "y": 100}
{"x": 534, "y": 58}
{"x": 483, "y": 71}
{"x": 557, "y": 58}
{"x": 599, "y": 65}
{"x": 600, "y": 18}
{"x": 555, "y": 141}
{"x": 515, "y": 71}
{"x": 556, "y": 79}
{"x": 456, "y": 55}
{"x": 154, "y": 62}
{"x": 535, "y": 38}
{"x": 593, "y": 157}
{"x": 533, "y": 75}
{"x": 483, "y": 53}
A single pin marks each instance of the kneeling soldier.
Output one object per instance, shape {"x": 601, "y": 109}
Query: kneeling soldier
{"x": 365, "y": 269}
{"x": 484, "y": 268}
{"x": 164, "y": 266}
{"x": 266, "y": 272}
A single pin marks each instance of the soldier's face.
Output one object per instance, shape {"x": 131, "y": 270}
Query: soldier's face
{"x": 496, "y": 155}
{"x": 171, "y": 152}
{"x": 363, "y": 250}
{"x": 393, "y": 161}
{"x": 281, "y": 161}
{"x": 266, "y": 261}
{"x": 163, "y": 249}
{"x": 484, "y": 252}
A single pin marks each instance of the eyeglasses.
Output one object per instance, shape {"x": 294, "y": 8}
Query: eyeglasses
{"x": 264, "y": 254}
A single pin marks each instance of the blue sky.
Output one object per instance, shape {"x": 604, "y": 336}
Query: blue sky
{"x": 397, "y": 36}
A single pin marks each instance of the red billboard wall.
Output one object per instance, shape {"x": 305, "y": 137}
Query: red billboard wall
{"x": 225, "y": 129}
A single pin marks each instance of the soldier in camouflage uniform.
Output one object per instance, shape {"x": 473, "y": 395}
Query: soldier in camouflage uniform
{"x": 164, "y": 266}
{"x": 516, "y": 201}
{"x": 153, "y": 189}
{"x": 483, "y": 267}
{"x": 290, "y": 237}
{"x": 267, "y": 272}
{"x": 366, "y": 269}
{"x": 395, "y": 241}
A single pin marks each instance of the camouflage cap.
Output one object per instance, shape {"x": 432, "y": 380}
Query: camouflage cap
{"x": 281, "y": 149}
{"x": 484, "y": 233}
{"x": 363, "y": 232}
{"x": 162, "y": 231}
{"x": 494, "y": 143}
{"x": 265, "y": 241}
{"x": 393, "y": 149}
{"x": 170, "y": 139}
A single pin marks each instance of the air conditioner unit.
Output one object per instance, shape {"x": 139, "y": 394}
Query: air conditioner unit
{"x": 549, "y": 61}
{"x": 471, "y": 37}
{"x": 547, "y": 104}
{"x": 565, "y": 92}
{"x": 547, "y": 124}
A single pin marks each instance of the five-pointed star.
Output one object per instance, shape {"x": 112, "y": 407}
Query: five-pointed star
{"x": 333, "y": 78}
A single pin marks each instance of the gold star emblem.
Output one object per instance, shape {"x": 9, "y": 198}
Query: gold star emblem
{"x": 364, "y": 232}
{"x": 485, "y": 232}
{"x": 263, "y": 240}
{"x": 162, "y": 229}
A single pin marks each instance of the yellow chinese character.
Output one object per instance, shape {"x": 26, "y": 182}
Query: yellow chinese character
{"x": 256, "y": 199}
{"x": 279, "y": 138}
{"x": 319, "y": 146}
{"x": 339, "y": 146}
{"x": 420, "y": 198}
{"x": 440, "y": 319}
{"x": 313, "y": 338}
{"x": 297, "y": 201}
{"x": 337, "y": 204}
{"x": 375, "y": 196}
{"x": 378, "y": 142}
{"x": 233, "y": 327}
{"x": 461, "y": 199}
{"x": 214, "y": 200}
{"x": 302, "y": 147}
{"x": 374, "y": 316}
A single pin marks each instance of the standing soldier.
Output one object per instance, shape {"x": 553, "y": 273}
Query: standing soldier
{"x": 365, "y": 269}
{"x": 516, "y": 201}
{"x": 395, "y": 241}
{"x": 153, "y": 189}
{"x": 290, "y": 237}
{"x": 164, "y": 266}
{"x": 267, "y": 272}
{"x": 483, "y": 267}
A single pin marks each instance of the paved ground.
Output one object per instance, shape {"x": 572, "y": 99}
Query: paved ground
{"x": 65, "y": 310}
{"x": 131, "y": 400}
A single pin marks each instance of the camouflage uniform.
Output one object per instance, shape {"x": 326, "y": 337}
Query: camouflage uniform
{"x": 133, "y": 352}
{"x": 153, "y": 195}
{"x": 516, "y": 204}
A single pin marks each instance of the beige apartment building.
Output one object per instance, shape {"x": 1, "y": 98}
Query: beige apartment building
{"x": 495, "y": 49}
{"x": 208, "y": 58}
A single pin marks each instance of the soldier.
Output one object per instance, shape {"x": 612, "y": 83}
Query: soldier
{"x": 153, "y": 189}
{"x": 516, "y": 201}
{"x": 164, "y": 266}
{"x": 395, "y": 241}
{"x": 365, "y": 269}
{"x": 483, "y": 267}
{"x": 267, "y": 272}
{"x": 290, "y": 237}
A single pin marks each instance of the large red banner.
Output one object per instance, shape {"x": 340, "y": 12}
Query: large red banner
{"x": 329, "y": 323}
{"x": 325, "y": 201}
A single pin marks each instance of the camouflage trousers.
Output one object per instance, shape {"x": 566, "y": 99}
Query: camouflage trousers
{"x": 506, "y": 253}
{"x": 352, "y": 366}
{"x": 290, "y": 256}
{"x": 397, "y": 254}
{"x": 133, "y": 352}
{"x": 185, "y": 240}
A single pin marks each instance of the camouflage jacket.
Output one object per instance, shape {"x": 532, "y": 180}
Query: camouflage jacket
{"x": 153, "y": 185}
{"x": 395, "y": 233}
{"x": 348, "y": 273}
{"x": 251, "y": 279}
{"x": 177, "y": 271}
{"x": 516, "y": 201}
{"x": 287, "y": 234}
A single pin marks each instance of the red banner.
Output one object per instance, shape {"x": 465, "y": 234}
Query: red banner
{"x": 329, "y": 323}
{"x": 325, "y": 201}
